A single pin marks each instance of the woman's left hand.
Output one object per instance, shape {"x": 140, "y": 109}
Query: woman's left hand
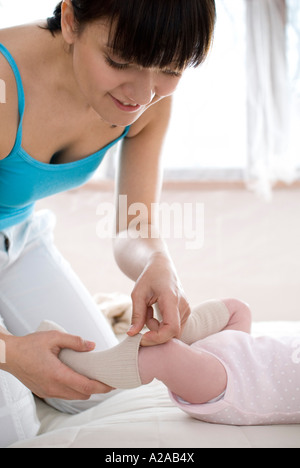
{"x": 159, "y": 284}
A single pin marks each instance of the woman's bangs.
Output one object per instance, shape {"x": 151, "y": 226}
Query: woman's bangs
{"x": 161, "y": 33}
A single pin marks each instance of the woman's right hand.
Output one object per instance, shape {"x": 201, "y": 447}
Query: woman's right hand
{"x": 33, "y": 359}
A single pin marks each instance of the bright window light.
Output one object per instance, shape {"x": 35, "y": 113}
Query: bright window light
{"x": 14, "y": 12}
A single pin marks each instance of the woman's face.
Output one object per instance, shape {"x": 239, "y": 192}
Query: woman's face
{"x": 119, "y": 92}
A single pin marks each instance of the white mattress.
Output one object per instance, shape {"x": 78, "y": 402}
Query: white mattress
{"x": 146, "y": 418}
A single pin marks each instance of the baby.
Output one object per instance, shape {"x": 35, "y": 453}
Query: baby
{"x": 217, "y": 372}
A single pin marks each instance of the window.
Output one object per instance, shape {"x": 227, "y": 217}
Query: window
{"x": 237, "y": 116}
{"x": 207, "y": 135}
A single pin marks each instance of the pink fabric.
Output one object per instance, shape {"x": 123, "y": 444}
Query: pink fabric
{"x": 263, "y": 380}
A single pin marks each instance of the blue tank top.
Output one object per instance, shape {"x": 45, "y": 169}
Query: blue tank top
{"x": 24, "y": 180}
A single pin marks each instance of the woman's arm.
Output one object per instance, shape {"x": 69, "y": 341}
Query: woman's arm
{"x": 139, "y": 250}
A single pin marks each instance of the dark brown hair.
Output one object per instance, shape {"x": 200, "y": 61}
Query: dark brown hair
{"x": 151, "y": 33}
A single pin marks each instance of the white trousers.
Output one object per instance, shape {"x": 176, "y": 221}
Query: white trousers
{"x": 36, "y": 283}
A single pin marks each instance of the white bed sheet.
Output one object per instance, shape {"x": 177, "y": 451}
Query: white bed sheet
{"x": 146, "y": 418}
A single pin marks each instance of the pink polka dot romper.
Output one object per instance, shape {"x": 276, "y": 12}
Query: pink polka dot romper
{"x": 263, "y": 380}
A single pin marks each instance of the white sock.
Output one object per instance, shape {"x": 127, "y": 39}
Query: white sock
{"x": 116, "y": 367}
{"x": 206, "y": 319}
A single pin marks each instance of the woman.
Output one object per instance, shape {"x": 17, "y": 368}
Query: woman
{"x": 95, "y": 73}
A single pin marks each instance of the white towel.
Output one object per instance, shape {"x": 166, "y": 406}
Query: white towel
{"x": 117, "y": 308}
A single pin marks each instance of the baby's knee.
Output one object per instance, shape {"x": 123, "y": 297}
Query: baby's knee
{"x": 241, "y": 315}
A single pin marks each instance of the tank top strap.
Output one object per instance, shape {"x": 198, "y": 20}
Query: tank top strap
{"x": 21, "y": 95}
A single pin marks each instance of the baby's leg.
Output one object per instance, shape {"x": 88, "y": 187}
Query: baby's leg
{"x": 212, "y": 317}
{"x": 196, "y": 377}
